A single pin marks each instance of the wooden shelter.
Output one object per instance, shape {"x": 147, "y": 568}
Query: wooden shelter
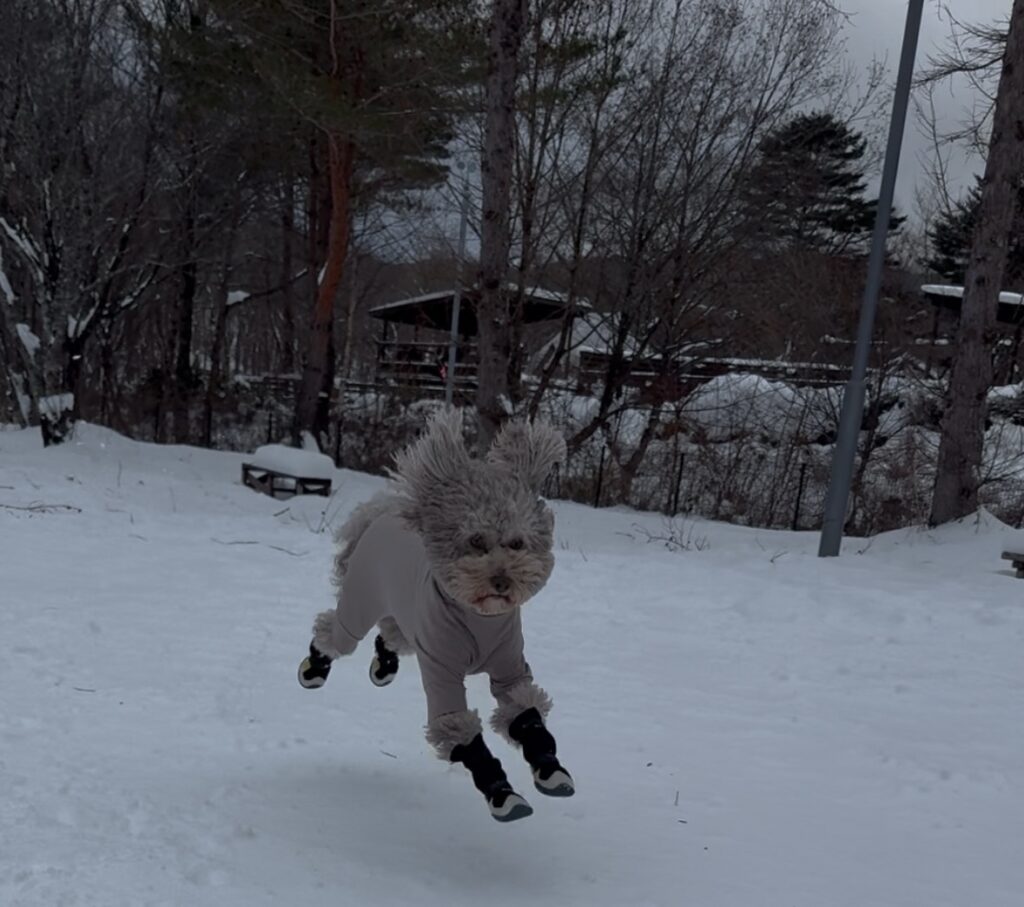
{"x": 413, "y": 346}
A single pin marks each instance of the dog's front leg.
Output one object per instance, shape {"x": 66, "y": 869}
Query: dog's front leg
{"x": 456, "y": 734}
{"x": 520, "y": 718}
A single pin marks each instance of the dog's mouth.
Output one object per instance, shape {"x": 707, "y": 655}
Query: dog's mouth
{"x": 492, "y": 605}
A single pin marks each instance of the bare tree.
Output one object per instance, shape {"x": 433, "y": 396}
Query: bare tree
{"x": 963, "y": 427}
{"x": 667, "y": 224}
{"x": 76, "y": 218}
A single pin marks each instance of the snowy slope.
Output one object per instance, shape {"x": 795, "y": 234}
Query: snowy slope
{"x": 749, "y": 726}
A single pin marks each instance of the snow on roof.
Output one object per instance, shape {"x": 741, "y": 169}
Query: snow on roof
{"x": 425, "y": 297}
{"x": 595, "y": 333}
{"x": 936, "y": 289}
{"x": 774, "y": 363}
{"x": 436, "y": 295}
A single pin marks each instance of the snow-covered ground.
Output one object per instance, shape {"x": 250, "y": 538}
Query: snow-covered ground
{"x": 748, "y": 725}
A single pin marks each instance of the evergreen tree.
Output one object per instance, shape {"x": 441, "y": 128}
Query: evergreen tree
{"x": 808, "y": 188}
{"x": 951, "y": 235}
{"x": 374, "y": 90}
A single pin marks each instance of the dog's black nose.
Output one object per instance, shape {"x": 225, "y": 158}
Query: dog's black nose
{"x": 501, "y": 583}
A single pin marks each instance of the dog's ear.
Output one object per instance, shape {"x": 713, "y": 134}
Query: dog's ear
{"x": 436, "y": 458}
{"x": 530, "y": 450}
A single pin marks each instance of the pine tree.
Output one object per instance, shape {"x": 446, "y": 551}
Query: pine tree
{"x": 373, "y": 89}
{"x": 808, "y": 189}
{"x": 951, "y": 235}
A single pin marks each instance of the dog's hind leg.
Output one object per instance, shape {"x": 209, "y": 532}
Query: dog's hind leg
{"x": 331, "y": 639}
{"x": 389, "y": 644}
{"x": 337, "y": 632}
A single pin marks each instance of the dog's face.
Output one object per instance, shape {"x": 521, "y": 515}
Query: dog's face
{"x": 488, "y": 534}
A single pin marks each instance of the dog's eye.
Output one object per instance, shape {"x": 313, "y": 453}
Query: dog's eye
{"x": 515, "y": 544}
{"x": 477, "y": 542}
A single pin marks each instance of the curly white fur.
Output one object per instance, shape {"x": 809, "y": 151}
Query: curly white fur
{"x": 529, "y": 450}
{"x": 516, "y": 701}
{"x": 446, "y": 732}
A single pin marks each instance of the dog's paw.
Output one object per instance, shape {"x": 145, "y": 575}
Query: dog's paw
{"x": 553, "y": 781}
{"x": 384, "y": 666}
{"x": 507, "y": 806}
{"x": 314, "y": 670}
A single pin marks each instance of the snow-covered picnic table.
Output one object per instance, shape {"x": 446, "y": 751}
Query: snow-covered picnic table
{"x": 1017, "y": 559}
{"x": 276, "y": 469}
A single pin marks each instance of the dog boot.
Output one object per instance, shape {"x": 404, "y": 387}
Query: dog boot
{"x": 384, "y": 666}
{"x": 314, "y": 669}
{"x": 549, "y": 777}
{"x": 489, "y": 778}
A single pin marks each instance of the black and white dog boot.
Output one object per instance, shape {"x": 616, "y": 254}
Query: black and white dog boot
{"x": 384, "y": 666}
{"x": 314, "y": 669}
{"x": 506, "y": 805}
{"x": 489, "y": 778}
{"x": 549, "y": 776}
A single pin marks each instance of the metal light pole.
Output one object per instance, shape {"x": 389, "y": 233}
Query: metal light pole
{"x": 853, "y": 397}
{"x": 449, "y": 384}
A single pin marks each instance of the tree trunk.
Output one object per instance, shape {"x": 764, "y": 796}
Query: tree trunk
{"x": 508, "y": 20}
{"x": 216, "y": 376}
{"x": 288, "y": 293}
{"x": 628, "y": 470}
{"x": 314, "y": 395}
{"x": 183, "y": 377}
{"x": 963, "y": 426}
{"x": 108, "y": 384}
{"x": 616, "y": 372}
{"x": 350, "y": 323}
{"x": 20, "y": 382}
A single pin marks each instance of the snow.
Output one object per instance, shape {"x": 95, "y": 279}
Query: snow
{"x": 55, "y": 404}
{"x": 237, "y": 296}
{"x": 28, "y": 340}
{"x": 19, "y": 239}
{"x": 528, "y": 292}
{"x": 306, "y": 464}
{"x": 958, "y": 293}
{"x": 24, "y": 400}
{"x": 591, "y": 332}
{"x": 78, "y": 326}
{"x": 5, "y": 283}
{"x": 747, "y": 724}
{"x": 1006, "y": 392}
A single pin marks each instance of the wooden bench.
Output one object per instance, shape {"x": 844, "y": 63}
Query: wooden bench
{"x": 280, "y": 484}
{"x": 1017, "y": 558}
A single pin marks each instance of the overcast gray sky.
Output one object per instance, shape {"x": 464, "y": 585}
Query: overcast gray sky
{"x": 876, "y": 29}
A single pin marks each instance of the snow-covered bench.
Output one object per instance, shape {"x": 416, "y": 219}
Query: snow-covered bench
{"x": 285, "y": 471}
{"x": 1017, "y": 559}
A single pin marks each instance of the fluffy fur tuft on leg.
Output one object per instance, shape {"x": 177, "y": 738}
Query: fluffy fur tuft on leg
{"x": 393, "y": 638}
{"x": 516, "y": 701}
{"x": 446, "y": 732}
{"x": 326, "y": 634}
